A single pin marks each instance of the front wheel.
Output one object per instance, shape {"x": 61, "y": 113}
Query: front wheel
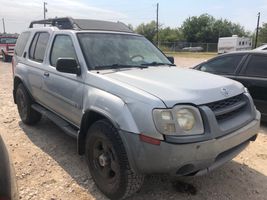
{"x": 108, "y": 162}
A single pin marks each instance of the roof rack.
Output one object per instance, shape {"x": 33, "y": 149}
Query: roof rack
{"x": 83, "y": 24}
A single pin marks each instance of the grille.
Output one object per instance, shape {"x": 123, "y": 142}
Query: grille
{"x": 225, "y": 103}
{"x": 226, "y": 108}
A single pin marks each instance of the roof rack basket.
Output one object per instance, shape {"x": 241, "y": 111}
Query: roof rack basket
{"x": 61, "y": 23}
{"x": 83, "y": 24}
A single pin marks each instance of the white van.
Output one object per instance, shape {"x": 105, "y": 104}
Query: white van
{"x": 234, "y": 43}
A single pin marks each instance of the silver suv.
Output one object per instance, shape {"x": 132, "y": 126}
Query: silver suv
{"x": 131, "y": 110}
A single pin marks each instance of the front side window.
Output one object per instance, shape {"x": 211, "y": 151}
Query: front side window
{"x": 222, "y": 65}
{"x": 257, "y": 66}
{"x": 62, "y": 48}
{"x": 38, "y": 46}
{"x": 117, "y": 50}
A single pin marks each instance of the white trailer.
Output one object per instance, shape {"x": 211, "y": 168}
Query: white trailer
{"x": 234, "y": 43}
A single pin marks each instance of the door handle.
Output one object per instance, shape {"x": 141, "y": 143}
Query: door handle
{"x": 46, "y": 74}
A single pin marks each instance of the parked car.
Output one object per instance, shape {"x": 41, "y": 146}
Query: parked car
{"x": 193, "y": 49}
{"x": 7, "y": 45}
{"x": 8, "y": 186}
{"x": 131, "y": 110}
{"x": 247, "y": 67}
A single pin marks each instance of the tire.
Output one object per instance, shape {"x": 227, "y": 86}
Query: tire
{"x": 108, "y": 163}
{"x": 27, "y": 114}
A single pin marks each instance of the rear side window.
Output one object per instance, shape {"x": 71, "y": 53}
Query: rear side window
{"x": 257, "y": 66}
{"x": 38, "y": 46}
{"x": 21, "y": 43}
{"x": 222, "y": 65}
{"x": 62, "y": 48}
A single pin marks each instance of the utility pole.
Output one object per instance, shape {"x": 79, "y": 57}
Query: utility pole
{"x": 45, "y": 11}
{"x": 4, "y": 27}
{"x": 157, "y": 24}
{"x": 257, "y": 30}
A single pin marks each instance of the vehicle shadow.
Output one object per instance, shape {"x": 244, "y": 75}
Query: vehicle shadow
{"x": 232, "y": 181}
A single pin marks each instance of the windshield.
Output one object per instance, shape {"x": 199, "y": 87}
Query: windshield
{"x": 107, "y": 50}
{"x": 6, "y": 40}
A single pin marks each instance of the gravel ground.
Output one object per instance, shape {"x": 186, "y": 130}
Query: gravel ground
{"x": 48, "y": 167}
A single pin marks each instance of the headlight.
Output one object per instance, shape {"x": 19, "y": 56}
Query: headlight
{"x": 181, "y": 120}
{"x": 185, "y": 119}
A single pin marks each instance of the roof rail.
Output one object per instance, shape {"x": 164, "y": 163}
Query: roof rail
{"x": 83, "y": 24}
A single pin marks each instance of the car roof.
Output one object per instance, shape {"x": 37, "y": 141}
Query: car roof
{"x": 260, "y": 47}
{"x": 246, "y": 52}
{"x": 68, "y": 23}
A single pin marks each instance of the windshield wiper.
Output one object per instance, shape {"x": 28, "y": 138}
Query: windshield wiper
{"x": 157, "y": 64}
{"x": 118, "y": 66}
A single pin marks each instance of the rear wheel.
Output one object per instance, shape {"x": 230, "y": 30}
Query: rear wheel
{"x": 108, "y": 162}
{"x": 27, "y": 114}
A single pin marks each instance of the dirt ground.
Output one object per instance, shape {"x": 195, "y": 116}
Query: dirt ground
{"x": 48, "y": 167}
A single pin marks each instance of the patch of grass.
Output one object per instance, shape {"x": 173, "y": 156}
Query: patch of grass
{"x": 204, "y": 55}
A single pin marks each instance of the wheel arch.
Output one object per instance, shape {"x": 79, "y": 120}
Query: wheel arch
{"x": 90, "y": 117}
{"x": 18, "y": 80}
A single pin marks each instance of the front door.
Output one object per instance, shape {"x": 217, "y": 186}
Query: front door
{"x": 63, "y": 92}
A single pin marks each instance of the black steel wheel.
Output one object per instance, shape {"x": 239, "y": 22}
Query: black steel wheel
{"x": 108, "y": 162}
{"x": 26, "y": 113}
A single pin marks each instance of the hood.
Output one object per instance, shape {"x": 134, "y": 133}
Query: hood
{"x": 175, "y": 85}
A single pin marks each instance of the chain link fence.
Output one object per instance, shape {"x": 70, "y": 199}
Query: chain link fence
{"x": 180, "y": 46}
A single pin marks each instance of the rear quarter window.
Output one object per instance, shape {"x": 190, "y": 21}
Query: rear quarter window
{"x": 21, "y": 43}
{"x": 38, "y": 46}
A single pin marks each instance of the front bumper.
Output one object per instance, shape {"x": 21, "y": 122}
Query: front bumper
{"x": 192, "y": 158}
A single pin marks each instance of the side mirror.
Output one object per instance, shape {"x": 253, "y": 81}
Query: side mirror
{"x": 171, "y": 59}
{"x": 68, "y": 65}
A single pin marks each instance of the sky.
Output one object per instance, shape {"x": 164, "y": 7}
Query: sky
{"x": 19, "y": 13}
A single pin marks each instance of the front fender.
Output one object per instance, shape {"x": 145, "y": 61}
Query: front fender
{"x": 111, "y": 106}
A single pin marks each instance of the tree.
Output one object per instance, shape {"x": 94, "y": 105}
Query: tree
{"x": 170, "y": 34}
{"x": 262, "y": 34}
{"x": 167, "y": 34}
{"x": 148, "y": 30}
{"x": 130, "y": 26}
{"x": 205, "y": 28}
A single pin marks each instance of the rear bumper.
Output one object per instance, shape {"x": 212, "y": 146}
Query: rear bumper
{"x": 192, "y": 158}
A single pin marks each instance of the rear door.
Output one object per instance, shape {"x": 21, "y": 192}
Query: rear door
{"x": 63, "y": 92}
{"x": 35, "y": 64}
{"x": 254, "y": 76}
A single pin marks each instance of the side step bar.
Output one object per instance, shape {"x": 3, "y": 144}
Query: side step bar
{"x": 61, "y": 123}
